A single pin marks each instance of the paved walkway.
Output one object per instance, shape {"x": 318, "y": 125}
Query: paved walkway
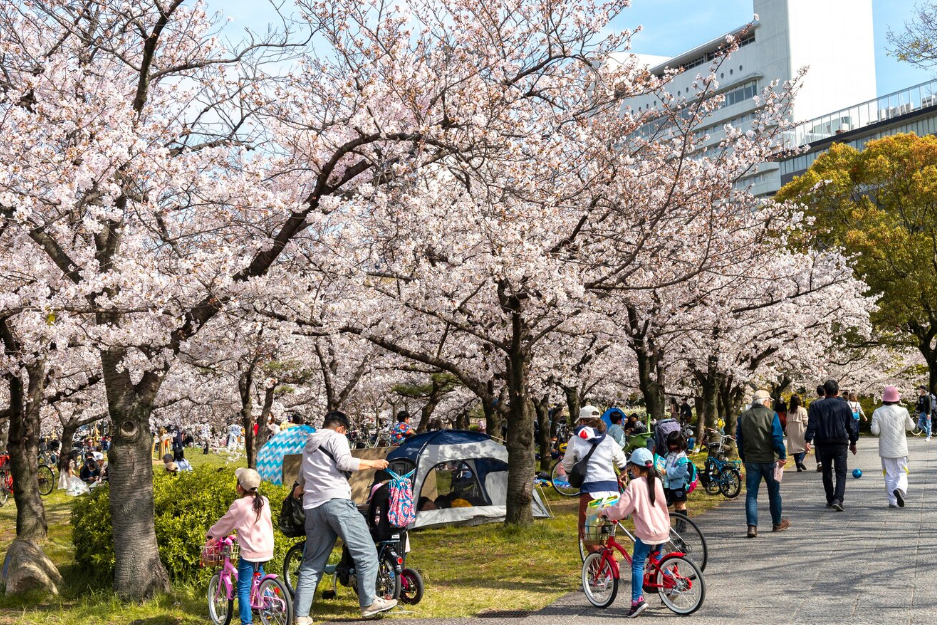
{"x": 868, "y": 565}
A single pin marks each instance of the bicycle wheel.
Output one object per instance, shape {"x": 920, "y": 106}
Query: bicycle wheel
{"x": 711, "y": 483}
{"x": 598, "y": 580}
{"x": 46, "y": 478}
{"x": 276, "y": 607}
{"x": 294, "y": 557}
{"x": 561, "y": 483}
{"x": 388, "y": 582}
{"x": 411, "y": 586}
{"x": 219, "y": 606}
{"x": 730, "y": 483}
{"x": 687, "y": 538}
{"x": 682, "y": 588}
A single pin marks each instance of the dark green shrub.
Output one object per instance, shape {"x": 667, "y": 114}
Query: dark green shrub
{"x": 186, "y": 506}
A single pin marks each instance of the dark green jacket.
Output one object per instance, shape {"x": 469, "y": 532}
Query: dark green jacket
{"x": 759, "y": 435}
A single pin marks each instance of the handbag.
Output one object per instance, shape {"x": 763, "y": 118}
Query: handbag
{"x": 292, "y": 521}
{"x": 578, "y": 475}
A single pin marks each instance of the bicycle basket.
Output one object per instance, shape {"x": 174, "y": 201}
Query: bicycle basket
{"x": 596, "y": 531}
{"x": 213, "y": 554}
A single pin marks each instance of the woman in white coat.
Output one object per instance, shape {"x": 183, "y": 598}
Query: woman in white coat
{"x": 889, "y": 423}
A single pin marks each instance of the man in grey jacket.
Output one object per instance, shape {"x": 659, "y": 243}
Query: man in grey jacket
{"x": 330, "y": 513}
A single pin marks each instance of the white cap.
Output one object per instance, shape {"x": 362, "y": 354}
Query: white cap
{"x": 589, "y": 412}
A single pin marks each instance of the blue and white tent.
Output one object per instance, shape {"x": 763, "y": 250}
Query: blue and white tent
{"x": 270, "y": 458}
{"x": 460, "y": 478}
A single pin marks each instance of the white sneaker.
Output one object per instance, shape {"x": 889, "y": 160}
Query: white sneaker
{"x": 927, "y": 440}
{"x": 379, "y": 605}
{"x": 303, "y": 620}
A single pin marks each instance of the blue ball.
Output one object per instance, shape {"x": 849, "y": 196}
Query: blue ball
{"x": 857, "y": 473}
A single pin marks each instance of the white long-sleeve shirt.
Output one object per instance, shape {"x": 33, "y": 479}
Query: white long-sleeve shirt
{"x": 890, "y": 423}
{"x": 600, "y": 480}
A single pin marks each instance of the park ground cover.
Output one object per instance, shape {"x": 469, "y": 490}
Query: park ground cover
{"x": 467, "y": 571}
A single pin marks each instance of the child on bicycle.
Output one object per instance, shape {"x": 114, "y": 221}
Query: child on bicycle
{"x": 675, "y": 472}
{"x": 249, "y": 516}
{"x": 645, "y": 501}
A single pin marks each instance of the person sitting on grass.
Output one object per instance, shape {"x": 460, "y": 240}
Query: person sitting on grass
{"x": 182, "y": 465}
{"x": 249, "y": 516}
{"x": 645, "y": 501}
{"x": 90, "y": 473}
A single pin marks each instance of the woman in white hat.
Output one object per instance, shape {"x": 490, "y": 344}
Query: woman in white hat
{"x": 889, "y": 423}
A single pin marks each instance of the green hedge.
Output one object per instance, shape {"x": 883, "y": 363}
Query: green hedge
{"x": 186, "y": 506}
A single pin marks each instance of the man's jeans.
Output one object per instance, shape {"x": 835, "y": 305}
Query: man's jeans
{"x": 924, "y": 422}
{"x": 754, "y": 472}
{"x": 325, "y": 523}
{"x": 833, "y": 457}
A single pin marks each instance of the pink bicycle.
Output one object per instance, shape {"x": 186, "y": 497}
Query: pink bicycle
{"x": 269, "y": 596}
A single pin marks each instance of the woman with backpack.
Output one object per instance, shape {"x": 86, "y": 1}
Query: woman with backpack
{"x": 593, "y": 455}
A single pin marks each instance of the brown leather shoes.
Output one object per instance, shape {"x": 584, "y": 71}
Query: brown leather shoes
{"x": 780, "y": 527}
{"x": 752, "y": 531}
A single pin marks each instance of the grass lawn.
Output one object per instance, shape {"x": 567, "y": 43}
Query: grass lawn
{"x": 466, "y": 570}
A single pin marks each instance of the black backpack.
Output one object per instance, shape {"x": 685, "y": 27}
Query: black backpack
{"x": 292, "y": 521}
{"x": 578, "y": 475}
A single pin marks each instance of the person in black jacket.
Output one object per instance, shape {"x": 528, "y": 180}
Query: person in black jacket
{"x": 831, "y": 425}
{"x": 821, "y": 394}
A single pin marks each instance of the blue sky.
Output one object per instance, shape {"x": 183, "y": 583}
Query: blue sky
{"x": 673, "y": 26}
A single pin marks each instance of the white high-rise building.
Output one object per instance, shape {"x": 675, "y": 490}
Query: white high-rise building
{"x": 833, "y": 38}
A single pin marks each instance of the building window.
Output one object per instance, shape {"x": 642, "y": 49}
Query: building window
{"x": 740, "y": 94}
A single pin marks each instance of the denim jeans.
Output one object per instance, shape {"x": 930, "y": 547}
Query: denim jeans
{"x": 638, "y": 558}
{"x": 799, "y": 458}
{"x": 924, "y": 422}
{"x": 324, "y": 524}
{"x": 245, "y": 579}
{"x": 754, "y": 472}
{"x": 833, "y": 458}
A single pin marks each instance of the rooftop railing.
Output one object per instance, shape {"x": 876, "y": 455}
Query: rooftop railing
{"x": 861, "y": 115}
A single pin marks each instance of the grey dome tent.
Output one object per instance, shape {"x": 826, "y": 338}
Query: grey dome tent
{"x": 460, "y": 478}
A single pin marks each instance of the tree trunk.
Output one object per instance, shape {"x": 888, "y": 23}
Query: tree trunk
{"x": 709, "y": 395}
{"x": 520, "y": 438}
{"x": 492, "y": 414}
{"x": 543, "y": 422}
{"x": 426, "y": 413}
{"x": 573, "y": 403}
{"x": 731, "y": 399}
{"x": 24, "y": 452}
{"x": 245, "y": 384}
{"x": 68, "y": 438}
{"x": 654, "y": 395}
{"x": 139, "y": 572}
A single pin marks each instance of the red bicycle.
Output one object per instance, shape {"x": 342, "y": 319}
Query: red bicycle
{"x": 677, "y": 580}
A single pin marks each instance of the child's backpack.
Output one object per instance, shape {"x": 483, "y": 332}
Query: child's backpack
{"x": 692, "y": 477}
{"x": 400, "y": 512}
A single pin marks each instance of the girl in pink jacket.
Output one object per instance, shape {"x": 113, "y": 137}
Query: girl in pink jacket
{"x": 645, "y": 501}
{"x": 249, "y": 517}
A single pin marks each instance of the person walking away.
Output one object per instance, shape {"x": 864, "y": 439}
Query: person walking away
{"x": 761, "y": 447}
{"x": 662, "y": 430}
{"x": 249, "y": 517}
{"x": 924, "y": 410}
{"x": 832, "y": 427}
{"x": 331, "y": 513}
{"x": 889, "y": 423}
{"x": 615, "y": 430}
{"x": 796, "y": 428}
{"x": 178, "y": 446}
{"x": 644, "y": 500}
{"x": 856, "y": 408}
{"x": 590, "y": 436}
{"x": 821, "y": 395}
{"x": 674, "y": 476}
{"x": 686, "y": 412}
{"x": 402, "y": 430}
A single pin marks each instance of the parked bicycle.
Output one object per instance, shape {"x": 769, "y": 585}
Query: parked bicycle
{"x": 676, "y": 579}
{"x": 45, "y": 478}
{"x": 269, "y": 596}
{"x": 720, "y": 474}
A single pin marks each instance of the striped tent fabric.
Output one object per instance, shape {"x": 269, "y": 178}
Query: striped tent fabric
{"x": 287, "y": 443}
